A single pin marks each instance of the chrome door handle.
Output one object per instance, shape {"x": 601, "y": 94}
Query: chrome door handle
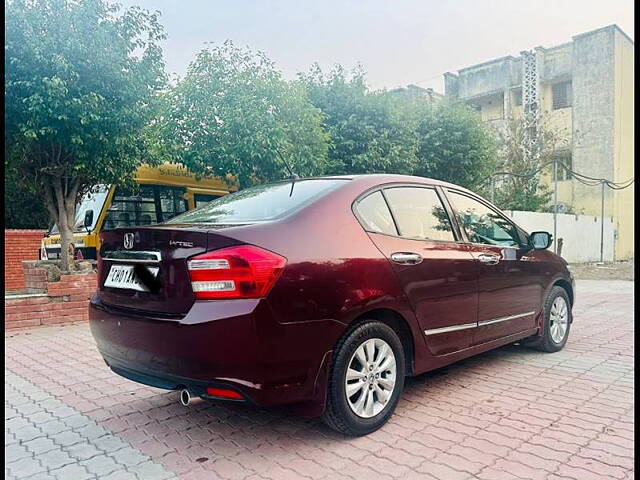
{"x": 406, "y": 258}
{"x": 489, "y": 259}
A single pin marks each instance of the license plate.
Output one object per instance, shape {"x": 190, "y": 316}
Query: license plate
{"x": 124, "y": 276}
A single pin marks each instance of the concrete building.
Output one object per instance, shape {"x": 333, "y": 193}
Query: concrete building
{"x": 585, "y": 88}
{"x": 414, "y": 92}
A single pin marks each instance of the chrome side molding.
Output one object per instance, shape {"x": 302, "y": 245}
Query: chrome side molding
{"x": 452, "y": 328}
{"x": 503, "y": 319}
{"x": 464, "y": 326}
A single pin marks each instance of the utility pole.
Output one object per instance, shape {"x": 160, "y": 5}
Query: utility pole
{"x": 602, "y": 224}
{"x": 555, "y": 204}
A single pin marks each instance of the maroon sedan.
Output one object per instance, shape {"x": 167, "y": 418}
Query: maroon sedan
{"x": 324, "y": 293}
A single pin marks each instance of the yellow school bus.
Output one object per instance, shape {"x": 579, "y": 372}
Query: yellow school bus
{"x": 164, "y": 192}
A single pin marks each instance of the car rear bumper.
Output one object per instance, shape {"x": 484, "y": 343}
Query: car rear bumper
{"x": 250, "y": 353}
{"x": 171, "y": 382}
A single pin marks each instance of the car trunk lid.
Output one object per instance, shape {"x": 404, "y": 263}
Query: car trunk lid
{"x": 163, "y": 251}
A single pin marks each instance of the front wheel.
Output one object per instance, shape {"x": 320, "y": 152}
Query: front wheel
{"x": 366, "y": 379}
{"x": 557, "y": 322}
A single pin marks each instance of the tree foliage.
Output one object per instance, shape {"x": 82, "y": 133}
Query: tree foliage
{"x": 234, "y": 114}
{"x": 524, "y": 190}
{"x": 23, "y": 208}
{"x": 80, "y": 79}
{"x": 87, "y": 102}
{"x": 371, "y": 132}
{"x": 454, "y": 145}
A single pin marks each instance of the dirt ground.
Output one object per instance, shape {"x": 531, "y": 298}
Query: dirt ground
{"x": 603, "y": 271}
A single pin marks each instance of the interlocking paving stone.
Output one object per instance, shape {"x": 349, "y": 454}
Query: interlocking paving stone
{"x": 65, "y": 447}
{"x": 513, "y": 413}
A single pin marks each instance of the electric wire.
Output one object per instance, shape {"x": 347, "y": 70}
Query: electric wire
{"x": 581, "y": 178}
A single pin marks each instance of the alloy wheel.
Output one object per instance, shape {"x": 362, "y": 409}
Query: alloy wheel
{"x": 371, "y": 378}
{"x": 559, "y": 319}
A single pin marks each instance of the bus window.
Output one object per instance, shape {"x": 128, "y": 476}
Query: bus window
{"x": 200, "y": 199}
{"x": 150, "y": 204}
{"x": 171, "y": 202}
{"x": 128, "y": 209}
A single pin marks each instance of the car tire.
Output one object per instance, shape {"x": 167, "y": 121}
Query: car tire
{"x": 359, "y": 405}
{"x": 557, "y": 322}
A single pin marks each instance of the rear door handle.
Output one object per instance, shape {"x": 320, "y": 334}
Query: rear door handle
{"x": 489, "y": 259}
{"x": 406, "y": 258}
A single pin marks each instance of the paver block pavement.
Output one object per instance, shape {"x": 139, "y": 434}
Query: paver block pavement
{"x": 513, "y": 413}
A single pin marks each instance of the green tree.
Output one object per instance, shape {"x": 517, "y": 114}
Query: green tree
{"x": 80, "y": 78}
{"x": 523, "y": 190}
{"x": 234, "y": 114}
{"x": 454, "y": 144}
{"x": 371, "y": 132}
{"x": 23, "y": 208}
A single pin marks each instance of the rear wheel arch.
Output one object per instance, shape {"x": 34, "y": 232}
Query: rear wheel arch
{"x": 398, "y": 323}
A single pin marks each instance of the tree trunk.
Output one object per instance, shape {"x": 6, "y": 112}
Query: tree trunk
{"x": 67, "y": 249}
{"x": 60, "y": 200}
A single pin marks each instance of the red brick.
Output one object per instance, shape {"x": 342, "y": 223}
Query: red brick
{"x": 19, "y": 245}
{"x": 11, "y": 324}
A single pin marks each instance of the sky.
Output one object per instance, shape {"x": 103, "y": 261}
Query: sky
{"x": 398, "y": 42}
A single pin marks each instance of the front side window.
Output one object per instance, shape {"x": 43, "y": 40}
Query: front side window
{"x": 419, "y": 213}
{"x": 375, "y": 215}
{"x": 260, "y": 203}
{"x": 482, "y": 224}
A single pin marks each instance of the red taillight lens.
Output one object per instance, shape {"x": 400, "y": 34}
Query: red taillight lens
{"x": 224, "y": 393}
{"x": 235, "y": 272}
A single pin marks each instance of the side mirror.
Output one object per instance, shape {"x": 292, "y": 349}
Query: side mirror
{"x": 88, "y": 219}
{"x": 540, "y": 240}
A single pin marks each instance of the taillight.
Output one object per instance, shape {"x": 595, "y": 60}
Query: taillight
{"x": 235, "y": 272}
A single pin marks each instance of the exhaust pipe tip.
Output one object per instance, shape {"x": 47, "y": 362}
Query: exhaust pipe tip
{"x": 185, "y": 397}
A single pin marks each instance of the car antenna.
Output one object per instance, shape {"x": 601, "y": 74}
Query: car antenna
{"x": 292, "y": 176}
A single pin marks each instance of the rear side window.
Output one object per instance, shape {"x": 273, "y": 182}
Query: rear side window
{"x": 419, "y": 213}
{"x": 260, "y": 203}
{"x": 374, "y": 214}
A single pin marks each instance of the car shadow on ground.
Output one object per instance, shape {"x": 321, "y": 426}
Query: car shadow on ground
{"x": 209, "y": 424}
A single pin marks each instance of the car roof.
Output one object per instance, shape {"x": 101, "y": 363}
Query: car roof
{"x": 372, "y": 179}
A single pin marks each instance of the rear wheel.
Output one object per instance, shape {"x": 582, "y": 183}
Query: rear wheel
{"x": 366, "y": 379}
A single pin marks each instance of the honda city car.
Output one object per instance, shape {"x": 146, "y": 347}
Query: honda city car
{"x": 324, "y": 293}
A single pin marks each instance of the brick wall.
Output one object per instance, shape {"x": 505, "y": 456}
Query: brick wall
{"x": 35, "y": 279}
{"x": 19, "y": 245}
{"x": 63, "y": 301}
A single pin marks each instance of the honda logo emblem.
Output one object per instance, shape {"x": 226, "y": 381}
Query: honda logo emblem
{"x": 128, "y": 240}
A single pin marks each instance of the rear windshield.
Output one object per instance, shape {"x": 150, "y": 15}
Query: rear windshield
{"x": 260, "y": 203}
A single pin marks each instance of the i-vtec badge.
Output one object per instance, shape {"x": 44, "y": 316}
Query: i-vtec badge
{"x": 128, "y": 240}
{"x": 180, "y": 244}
